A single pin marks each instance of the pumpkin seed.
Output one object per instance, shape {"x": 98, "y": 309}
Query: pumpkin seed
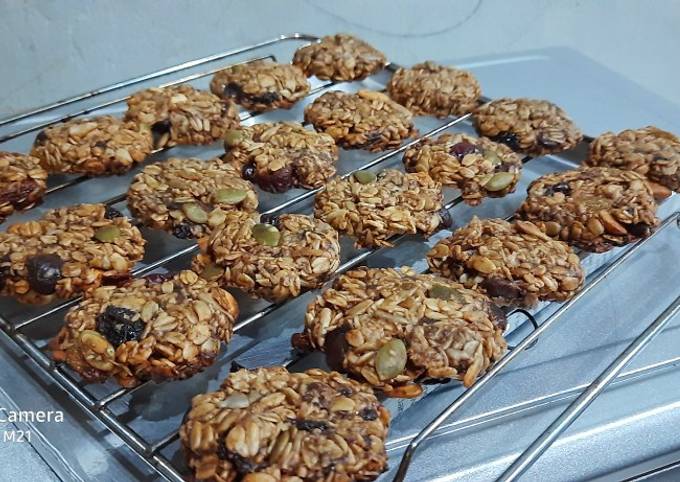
{"x": 266, "y": 234}
{"x": 491, "y": 156}
{"x": 195, "y": 213}
{"x": 229, "y": 196}
{"x": 107, "y": 234}
{"x": 443, "y": 292}
{"x": 233, "y": 137}
{"x": 211, "y": 272}
{"x": 499, "y": 181}
{"x": 365, "y": 177}
{"x": 390, "y": 360}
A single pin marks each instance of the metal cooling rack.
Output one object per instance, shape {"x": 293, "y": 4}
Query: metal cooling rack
{"x": 22, "y": 323}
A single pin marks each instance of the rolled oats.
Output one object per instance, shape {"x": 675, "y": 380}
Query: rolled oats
{"x": 595, "y": 208}
{"x": 61, "y": 254}
{"x": 649, "y": 151}
{"x": 22, "y": 182}
{"x": 276, "y": 261}
{"x": 513, "y": 263}
{"x": 269, "y": 424}
{"x": 365, "y": 120}
{"x": 155, "y": 327}
{"x": 477, "y": 166}
{"x": 180, "y": 114}
{"x": 282, "y": 155}
{"x": 189, "y": 197}
{"x": 373, "y": 209}
{"x": 393, "y": 327}
{"x": 261, "y": 85}
{"x": 532, "y": 126}
{"x": 339, "y": 57}
{"x": 431, "y": 89}
{"x": 95, "y": 146}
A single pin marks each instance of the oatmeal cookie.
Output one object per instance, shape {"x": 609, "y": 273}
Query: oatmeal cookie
{"x": 181, "y": 114}
{"x": 22, "y": 182}
{"x": 275, "y": 261}
{"x": 535, "y": 127}
{"x": 160, "y": 327}
{"x": 393, "y": 327}
{"x": 365, "y": 120}
{"x": 432, "y": 89}
{"x": 515, "y": 264}
{"x": 261, "y": 85}
{"x": 374, "y": 208}
{"x": 649, "y": 151}
{"x": 269, "y": 425}
{"x": 281, "y": 155}
{"x": 66, "y": 252}
{"x": 339, "y": 57}
{"x": 188, "y": 197}
{"x": 477, "y": 166}
{"x": 94, "y": 146}
{"x": 595, "y": 208}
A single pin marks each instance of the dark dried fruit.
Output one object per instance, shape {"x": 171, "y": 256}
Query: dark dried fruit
{"x": 276, "y": 181}
{"x": 40, "y": 139}
{"x": 509, "y": 139}
{"x": 157, "y": 278}
{"x": 183, "y": 231}
{"x": 233, "y": 90}
{"x": 498, "y": 317}
{"x": 310, "y": 425}
{"x": 446, "y": 219}
{"x": 17, "y": 193}
{"x": 44, "y": 271}
{"x": 336, "y": 346}
{"x": 463, "y": 148}
{"x": 112, "y": 213}
{"x": 159, "y": 129}
{"x": 248, "y": 172}
{"x": 243, "y": 466}
{"x": 502, "y": 288}
{"x": 120, "y": 324}
{"x": 368, "y": 414}
{"x": 641, "y": 230}
{"x": 562, "y": 187}
{"x": 266, "y": 98}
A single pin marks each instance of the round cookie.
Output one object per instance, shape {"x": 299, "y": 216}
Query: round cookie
{"x": 374, "y": 208}
{"x": 477, "y": 166}
{"x": 535, "y": 127}
{"x": 95, "y": 146}
{"x": 365, "y": 120}
{"x": 269, "y": 425}
{"x": 431, "y": 89}
{"x": 649, "y": 151}
{"x": 275, "y": 261}
{"x": 515, "y": 263}
{"x": 281, "y": 155}
{"x": 160, "y": 327}
{"x": 188, "y": 197}
{"x": 339, "y": 57}
{"x": 22, "y": 182}
{"x": 181, "y": 114}
{"x": 66, "y": 252}
{"x": 261, "y": 86}
{"x": 595, "y": 208}
{"x": 393, "y": 327}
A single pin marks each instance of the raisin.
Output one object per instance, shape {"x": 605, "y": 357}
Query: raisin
{"x": 463, "y": 148}
{"x": 501, "y": 288}
{"x": 310, "y": 425}
{"x": 248, "y": 172}
{"x": 336, "y": 347}
{"x": 183, "y": 231}
{"x": 277, "y": 181}
{"x": 240, "y": 463}
{"x": 368, "y": 414}
{"x": 446, "y": 219}
{"x": 44, "y": 271}
{"x": 40, "y": 139}
{"x": 642, "y": 230}
{"x": 120, "y": 324}
{"x": 509, "y": 139}
{"x": 345, "y": 392}
{"x": 498, "y": 317}
{"x": 232, "y": 89}
{"x": 159, "y": 129}
{"x": 112, "y": 213}
{"x": 562, "y": 187}
{"x": 266, "y": 98}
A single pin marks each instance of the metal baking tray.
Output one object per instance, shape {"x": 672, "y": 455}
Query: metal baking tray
{"x": 138, "y": 427}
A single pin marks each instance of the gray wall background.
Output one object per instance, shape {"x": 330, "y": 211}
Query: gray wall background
{"x": 51, "y": 49}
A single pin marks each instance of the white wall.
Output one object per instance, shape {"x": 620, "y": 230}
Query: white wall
{"x": 51, "y": 49}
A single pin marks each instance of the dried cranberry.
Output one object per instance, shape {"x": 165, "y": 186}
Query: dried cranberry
{"x": 562, "y": 187}
{"x": 509, "y": 139}
{"x": 310, "y": 425}
{"x": 345, "y": 392}
{"x": 501, "y": 288}
{"x": 277, "y": 181}
{"x": 183, "y": 231}
{"x": 44, "y": 271}
{"x": 463, "y": 148}
{"x": 112, "y": 213}
{"x": 159, "y": 129}
{"x": 248, "y": 172}
{"x": 335, "y": 347}
{"x": 368, "y": 414}
{"x": 120, "y": 324}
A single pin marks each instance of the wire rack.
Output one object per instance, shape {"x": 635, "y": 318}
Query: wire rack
{"x": 20, "y": 324}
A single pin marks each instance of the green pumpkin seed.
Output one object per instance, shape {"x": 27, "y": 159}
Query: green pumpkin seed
{"x": 230, "y": 196}
{"x": 492, "y": 157}
{"x": 365, "y": 177}
{"x": 195, "y": 213}
{"x": 499, "y": 181}
{"x": 390, "y": 360}
{"x": 107, "y": 234}
{"x": 233, "y": 137}
{"x": 211, "y": 272}
{"x": 266, "y": 234}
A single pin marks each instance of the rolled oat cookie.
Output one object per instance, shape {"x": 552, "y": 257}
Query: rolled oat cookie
{"x": 22, "y": 182}
{"x": 535, "y": 127}
{"x": 431, "y": 89}
{"x": 365, "y": 120}
{"x": 278, "y": 156}
{"x": 393, "y": 328}
{"x": 181, "y": 114}
{"x": 595, "y": 208}
{"x": 339, "y": 57}
{"x": 158, "y": 327}
{"x": 478, "y": 167}
{"x": 276, "y": 261}
{"x": 189, "y": 197}
{"x": 95, "y": 146}
{"x": 649, "y": 151}
{"x": 261, "y": 85}
{"x": 373, "y": 208}
{"x": 269, "y": 425}
{"x": 66, "y": 252}
{"x": 515, "y": 264}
